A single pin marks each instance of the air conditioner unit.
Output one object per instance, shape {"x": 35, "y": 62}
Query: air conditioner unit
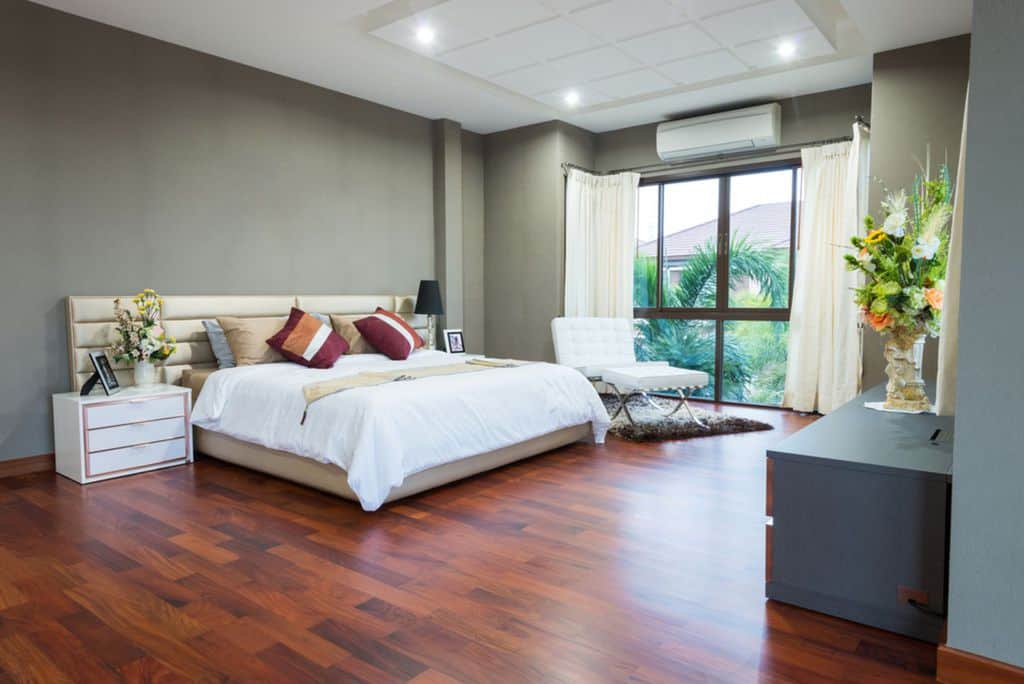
{"x": 740, "y": 130}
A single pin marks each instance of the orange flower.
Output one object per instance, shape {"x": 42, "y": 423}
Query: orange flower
{"x": 878, "y": 321}
{"x": 934, "y": 297}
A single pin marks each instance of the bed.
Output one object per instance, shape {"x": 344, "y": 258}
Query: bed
{"x": 372, "y": 445}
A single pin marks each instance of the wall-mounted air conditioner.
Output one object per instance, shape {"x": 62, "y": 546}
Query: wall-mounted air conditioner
{"x": 740, "y": 130}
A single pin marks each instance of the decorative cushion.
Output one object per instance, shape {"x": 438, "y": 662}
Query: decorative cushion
{"x": 653, "y": 377}
{"x": 389, "y": 334}
{"x": 247, "y": 338}
{"x": 345, "y": 326}
{"x": 219, "y": 343}
{"x": 308, "y": 341}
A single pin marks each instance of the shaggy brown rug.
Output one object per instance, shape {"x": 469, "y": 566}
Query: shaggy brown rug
{"x": 653, "y": 426}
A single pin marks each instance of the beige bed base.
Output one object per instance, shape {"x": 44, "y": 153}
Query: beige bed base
{"x": 90, "y": 322}
{"x": 332, "y": 479}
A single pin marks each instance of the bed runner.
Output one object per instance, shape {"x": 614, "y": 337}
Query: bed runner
{"x": 319, "y": 390}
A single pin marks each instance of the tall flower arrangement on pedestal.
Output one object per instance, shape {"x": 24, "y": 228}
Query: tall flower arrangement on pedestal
{"x": 903, "y": 260}
{"x": 141, "y": 339}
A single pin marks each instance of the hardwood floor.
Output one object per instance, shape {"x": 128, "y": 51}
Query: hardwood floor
{"x": 623, "y": 562}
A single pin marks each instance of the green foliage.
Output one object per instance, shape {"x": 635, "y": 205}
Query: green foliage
{"x": 754, "y": 353}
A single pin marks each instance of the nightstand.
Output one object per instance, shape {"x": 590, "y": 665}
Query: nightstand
{"x": 138, "y": 429}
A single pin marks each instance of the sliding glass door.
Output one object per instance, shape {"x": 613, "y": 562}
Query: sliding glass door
{"x": 712, "y": 278}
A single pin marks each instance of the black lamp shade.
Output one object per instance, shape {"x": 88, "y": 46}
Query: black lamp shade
{"x": 428, "y": 299}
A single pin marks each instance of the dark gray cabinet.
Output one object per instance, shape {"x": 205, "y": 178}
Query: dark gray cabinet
{"x": 859, "y": 507}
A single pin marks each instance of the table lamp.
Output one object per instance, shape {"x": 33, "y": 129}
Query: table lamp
{"x": 428, "y": 303}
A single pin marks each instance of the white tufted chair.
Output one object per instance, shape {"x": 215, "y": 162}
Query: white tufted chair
{"x": 602, "y": 349}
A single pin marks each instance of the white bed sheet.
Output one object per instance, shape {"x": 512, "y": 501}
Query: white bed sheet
{"x": 381, "y": 435}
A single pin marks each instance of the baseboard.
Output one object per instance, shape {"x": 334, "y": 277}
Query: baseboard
{"x": 27, "y": 465}
{"x": 960, "y": 667}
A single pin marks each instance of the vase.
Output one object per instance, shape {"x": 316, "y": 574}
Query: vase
{"x": 145, "y": 373}
{"x": 905, "y": 390}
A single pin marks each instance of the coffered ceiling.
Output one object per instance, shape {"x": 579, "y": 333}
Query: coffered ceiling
{"x": 497, "y": 64}
{"x": 574, "y": 54}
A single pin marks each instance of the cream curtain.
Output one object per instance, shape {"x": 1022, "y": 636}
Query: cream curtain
{"x": 945, "y": 395}
{"x": 600, "y": 232}
{"x": 824, "y": 358}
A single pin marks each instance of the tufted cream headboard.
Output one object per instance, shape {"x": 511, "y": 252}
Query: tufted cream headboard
{"x": 91, "y": 324}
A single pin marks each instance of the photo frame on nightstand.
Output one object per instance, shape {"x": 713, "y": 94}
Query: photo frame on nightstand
{"x": 103, "y": 373}
{"x": 454, "y": 342}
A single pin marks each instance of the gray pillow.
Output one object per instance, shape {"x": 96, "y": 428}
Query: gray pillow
{"x": 219, "y": 342}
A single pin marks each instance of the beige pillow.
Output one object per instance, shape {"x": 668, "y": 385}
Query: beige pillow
{"x": 247, "y": 338}
{"x": 345, "y": 326}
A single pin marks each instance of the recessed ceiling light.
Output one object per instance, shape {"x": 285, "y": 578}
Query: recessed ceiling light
{"x": 425, "y": 35}
{"x": 786, "y": 49}
{"x": 572, "y": 98}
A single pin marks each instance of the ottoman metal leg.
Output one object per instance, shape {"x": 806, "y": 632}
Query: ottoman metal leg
{"x": 683, "y": 396}
{"x": 622, "y": 404}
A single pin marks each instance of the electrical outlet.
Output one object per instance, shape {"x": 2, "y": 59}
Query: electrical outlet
{"x": 907, "y": 594}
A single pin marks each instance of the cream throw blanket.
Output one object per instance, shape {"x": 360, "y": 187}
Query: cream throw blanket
{"x": 319, "y": 390}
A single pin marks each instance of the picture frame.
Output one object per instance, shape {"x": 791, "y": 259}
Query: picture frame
{"x": 104, "y": 372}
{"x": 454, "y": 343}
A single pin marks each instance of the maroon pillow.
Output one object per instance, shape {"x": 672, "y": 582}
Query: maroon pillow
{"x": 307, "y": 340}
{"x": 389, "y": 334}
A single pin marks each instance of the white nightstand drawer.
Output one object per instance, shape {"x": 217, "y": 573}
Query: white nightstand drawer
{"x": 133, "y": 411}
{"x": 116, "y": 460}
{"x": 135, "y": 434}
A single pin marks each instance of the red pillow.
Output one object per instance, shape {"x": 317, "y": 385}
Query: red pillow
{"x": 389, "y": 334}
{"x": 307, "y": 340}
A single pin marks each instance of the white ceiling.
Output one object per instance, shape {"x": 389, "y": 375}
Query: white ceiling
{"x": 498, "y": 64}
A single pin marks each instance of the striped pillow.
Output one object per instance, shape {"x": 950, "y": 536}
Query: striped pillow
{"x": 389, "y": 334}
{"x": 307, "y": 340}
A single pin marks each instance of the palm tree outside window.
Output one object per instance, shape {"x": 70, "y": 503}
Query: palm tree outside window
{"x": 712, "y": 277}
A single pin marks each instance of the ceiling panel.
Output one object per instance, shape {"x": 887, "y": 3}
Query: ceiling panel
{"x": 460, "y": 22}
{"x": 481, "y": 59}
{"x": 535, "y": 79}
{"x": 700, "y": 9}
{"x": 764, "y": 54}
{"x": 587, "y": 98}
{"x": 619, "y": 19}
{"x": 548, "y": 39}
{"x": 633, "y": 84}
{"x": 586, "y": 66}
{"x": 766, "y": 20}
{"x": 569, "y": 5}
{"x": 707, "y": 67}
{"x": 670, "y": 44}
{"x": 887, "y": 25}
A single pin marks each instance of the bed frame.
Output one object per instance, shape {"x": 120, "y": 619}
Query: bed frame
{"x": 90, "y": 324}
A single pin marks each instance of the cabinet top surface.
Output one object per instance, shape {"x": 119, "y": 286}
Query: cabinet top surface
{"x": 859, "y": 437}
{"x": 126, "y": 393}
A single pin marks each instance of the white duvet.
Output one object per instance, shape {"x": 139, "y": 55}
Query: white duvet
{"x": 381, "y": 435}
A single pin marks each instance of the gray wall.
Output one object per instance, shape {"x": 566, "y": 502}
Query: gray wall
{"x": 127, "y": 163}
{"x": 917, "y": 99}
{"x": 808, "y": 117}
{"x": 473, "y": 241}
{"x": 525, "y": 234}
{"x": 986, "y": 595}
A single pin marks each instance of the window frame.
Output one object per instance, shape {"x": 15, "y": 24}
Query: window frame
{"x": 722, "y": 312}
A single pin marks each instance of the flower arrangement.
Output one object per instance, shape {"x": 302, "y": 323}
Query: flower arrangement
{"x": 904, "y": 264}
{"x": 141, "y": 338}
{"x": 904, "y": 260}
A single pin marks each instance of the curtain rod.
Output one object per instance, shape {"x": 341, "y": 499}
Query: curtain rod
{"x": 767, "y": 152}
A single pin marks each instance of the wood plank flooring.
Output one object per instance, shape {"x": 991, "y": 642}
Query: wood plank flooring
{"x": 614, "y": 563}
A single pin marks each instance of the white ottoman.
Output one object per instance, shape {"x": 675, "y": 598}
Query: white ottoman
{"x": 644, "y": 378}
